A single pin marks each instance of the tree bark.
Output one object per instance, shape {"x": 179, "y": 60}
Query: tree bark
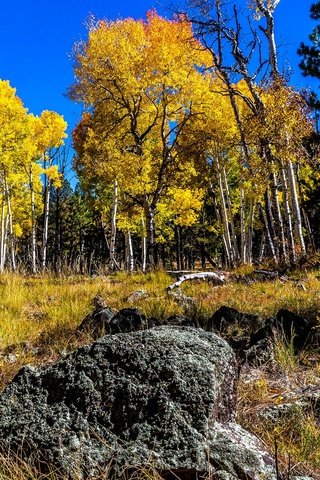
{"x": 281, "y": 239}
{"x": 45, "y": 222}
{"x": 242, "y": 226}
{"x": 150, "y": 229}
{"x": 10, "y": 224}
{"x": 224, "y": 217}
{"x": 33, "y": 225}
{"x": 112, "y": 259}
{"x": 288, "y": 214}
{"x": 296, "y": 206}
{"x": 231, "y": 216}
{"x": 129, "y": 252}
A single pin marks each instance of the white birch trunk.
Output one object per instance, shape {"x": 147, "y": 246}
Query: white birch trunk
{"x": 296, "y": 206}
{"x": 114, "y": 226}
{"x": 10, "y": 225}
{"x": 268, "y": 234}
{"x": 275, "y": 195}
{"x": 5, "y": 242}
{"x": 242, "y": 226}
{"x": 231, "y": 217}
{"x": 3, "y": 233}
{"x": 262, "y": 248}
{"x": 129, "y": 252}
{"x": 225, "y": 245}
{"x": 288, "y": 213}
{"x": 224, "y": 214}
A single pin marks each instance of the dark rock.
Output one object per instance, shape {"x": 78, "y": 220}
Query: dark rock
{"x": 229, "y": 321}
{"x": 239, "y": 344}
{"x": 128, "y": 320}
{"x": 287, "y": 325}
{"x": 164, "y": 397}
{"x": 97, "y": 322}
{"x": 293, "y": 327}
{"x": 235, "y": 327}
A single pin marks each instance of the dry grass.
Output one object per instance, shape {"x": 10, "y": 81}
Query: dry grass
{"x": 43, "y": 312}
{"x": 271, "y": 405}
{"x": 39, "y": 315}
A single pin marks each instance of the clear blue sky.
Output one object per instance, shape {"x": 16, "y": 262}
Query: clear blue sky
{"x": 36, "y": 39}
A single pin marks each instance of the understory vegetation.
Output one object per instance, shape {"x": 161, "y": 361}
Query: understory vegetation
{"x": 40, "y": 316}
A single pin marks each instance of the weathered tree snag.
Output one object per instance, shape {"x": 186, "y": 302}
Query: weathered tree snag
{"x": 217, "y": 278}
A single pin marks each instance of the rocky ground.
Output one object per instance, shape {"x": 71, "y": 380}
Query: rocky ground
{"x": 178, "y": 393}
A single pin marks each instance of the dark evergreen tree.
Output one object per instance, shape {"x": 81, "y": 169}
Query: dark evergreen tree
{"x": 310, "y": 64}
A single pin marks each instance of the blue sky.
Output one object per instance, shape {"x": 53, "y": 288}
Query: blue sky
{"x": 36, "y": 39}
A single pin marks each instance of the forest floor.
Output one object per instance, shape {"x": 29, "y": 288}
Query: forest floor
{"x": 39, "y": 316}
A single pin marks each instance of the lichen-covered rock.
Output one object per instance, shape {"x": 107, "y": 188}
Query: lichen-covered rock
{"x": 163, "y": 397}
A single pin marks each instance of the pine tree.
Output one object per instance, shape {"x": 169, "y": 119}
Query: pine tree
{"x": 310, "y": 64}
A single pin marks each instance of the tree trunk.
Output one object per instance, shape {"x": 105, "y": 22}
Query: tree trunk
{"x": 224, "y": 241}
{"x": 296, "y": 206}
{"x": 288, "y": 214}
{"x": 3, "y": 233}
{"x": 250, "y": 233}
{"x": 45, "y": 223}
{"x": 262, "y": 248}
{"x": 129, "y": 252}
{"x": 281, "y": 239}
{"x": 229, "y": 205}
{"x": 267, "y": 230}
{"x": 11, "y": 234}
{"x": 242, "y": 226}
{"x": 150, "y": 229}
{"x": 33, "y": 225}
{"x": 112, "y": 260}
{"x": 57, "y": 233}
{"x": 5, "y": 241}
{"x": 224, "y": 217}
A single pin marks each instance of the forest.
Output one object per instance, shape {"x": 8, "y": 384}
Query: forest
{"x": 159, "y": 258}
{"x": 193, "y": 150}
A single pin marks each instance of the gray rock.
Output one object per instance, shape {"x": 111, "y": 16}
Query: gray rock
{"x": 187, "y": 303}
{"x": 164, "y": 397}
{"x": 11, "y": 358}
{"x": 302, "y": 477}
{"x": 301, "y": 401}
{"x": 261, "y": 353}
{"x": 138, "y": 295}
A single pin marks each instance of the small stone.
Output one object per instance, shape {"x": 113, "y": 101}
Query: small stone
{"x": 11, "y": 358}
{"x": 138, "y": 295}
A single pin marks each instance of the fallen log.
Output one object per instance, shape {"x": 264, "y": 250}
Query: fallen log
{"x": 217, "y": 278}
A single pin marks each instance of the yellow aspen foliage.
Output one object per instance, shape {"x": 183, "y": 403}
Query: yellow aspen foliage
{"x": 141, "y": 81}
